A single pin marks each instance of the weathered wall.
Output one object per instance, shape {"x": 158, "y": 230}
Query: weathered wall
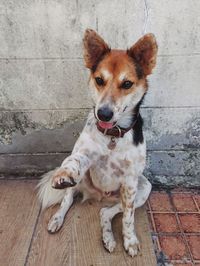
{"x": 43, "y": 84}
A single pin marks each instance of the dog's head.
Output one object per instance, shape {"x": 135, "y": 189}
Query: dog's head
{"x": 118, "y": 77}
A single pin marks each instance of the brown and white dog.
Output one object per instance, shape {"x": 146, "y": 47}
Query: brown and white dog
{"x": 109, "y": 156}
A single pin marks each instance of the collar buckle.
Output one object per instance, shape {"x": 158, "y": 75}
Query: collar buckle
{"x": 105, "y": 131}
{"x": 120, "y": 131}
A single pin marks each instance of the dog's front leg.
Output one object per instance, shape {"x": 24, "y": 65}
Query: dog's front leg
{"x": 128, "y": 193}
{"x": 57, "y": 219}
{"x": 71, "y": 171}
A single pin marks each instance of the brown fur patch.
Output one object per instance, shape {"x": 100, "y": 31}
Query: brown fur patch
{"x": 113, "y": 165}
{"x": 118, "y": 172}
{"x": 103, "y": 160}
{"x": 116, "y": 62}
{"x": 127, "y": 194}
{"x": 124, "y": 163}
{"x": 122, "y": 193}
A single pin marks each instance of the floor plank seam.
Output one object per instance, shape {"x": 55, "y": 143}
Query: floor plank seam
{"x": 34, "y": 230}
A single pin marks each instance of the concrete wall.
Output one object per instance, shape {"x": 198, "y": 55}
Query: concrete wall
{"x": 43, "y": 83}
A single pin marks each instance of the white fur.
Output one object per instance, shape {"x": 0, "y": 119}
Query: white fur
{"x": 106, "y": 74}
{"x": 122, "y": 76}
{"x": 106, "y": 216}
{"x": 47, "y": 195}
{"x": 57, "y": 219}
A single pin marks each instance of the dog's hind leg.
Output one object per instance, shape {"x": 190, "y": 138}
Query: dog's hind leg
{"x": 106, "y": 216}
{"x": 57, "y": 219}
{"x": 143, "y": 191}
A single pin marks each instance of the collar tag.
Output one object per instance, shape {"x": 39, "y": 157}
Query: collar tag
{"x": 112, "y": 144}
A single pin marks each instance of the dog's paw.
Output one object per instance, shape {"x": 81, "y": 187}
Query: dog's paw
{"x": 63, "y": 179}
{"x": 55, "y": 224}
{"x": 109, "y": 242}
{"x": 132, "y": 245}
{"x": 110, "y": 245}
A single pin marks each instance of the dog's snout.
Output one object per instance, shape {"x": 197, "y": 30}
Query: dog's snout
{"x": 105, "y": 114}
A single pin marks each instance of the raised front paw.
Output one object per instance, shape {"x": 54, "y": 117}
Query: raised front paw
{"x": 132, "y": 245}
{"x": 63, "y": 178}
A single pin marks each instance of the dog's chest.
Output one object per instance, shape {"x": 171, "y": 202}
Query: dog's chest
{"x": 115, "y": 164}
{"x": 106, "y": 172}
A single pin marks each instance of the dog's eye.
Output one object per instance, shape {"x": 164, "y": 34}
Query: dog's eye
{"x": 99, "y": 81}
{"x": 127, "y": 84}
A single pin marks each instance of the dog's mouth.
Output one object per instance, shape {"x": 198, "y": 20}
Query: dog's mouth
{"x": 106, "y": 125}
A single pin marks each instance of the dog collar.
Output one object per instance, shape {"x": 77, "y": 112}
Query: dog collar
{"x": 117, "y": 131}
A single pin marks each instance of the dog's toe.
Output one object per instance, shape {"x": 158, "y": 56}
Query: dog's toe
{"x": 63, "y": 179}
{"x": 109, "y": 243}
{"x": 133, "y": 250}
{"x": 54, "y": 224}
{"x": 63, "y": 183}
{"x": 132, "y": 246}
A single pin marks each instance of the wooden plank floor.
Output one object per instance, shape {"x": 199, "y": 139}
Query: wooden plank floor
{"x": 18, "y": 215}
{"x": 24, "y": 239}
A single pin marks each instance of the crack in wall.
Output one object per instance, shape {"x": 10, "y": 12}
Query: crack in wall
{"x": 146, "y": 17}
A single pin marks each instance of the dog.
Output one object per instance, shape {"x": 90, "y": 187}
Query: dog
{"x": 108, "y": 159}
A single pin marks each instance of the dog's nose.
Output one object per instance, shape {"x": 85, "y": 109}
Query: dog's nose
{"x": 105, "y": 113}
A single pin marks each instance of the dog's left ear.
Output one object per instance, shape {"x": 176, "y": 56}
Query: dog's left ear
{"x": 144, "y": 53}
{"x": 94, "y": 49}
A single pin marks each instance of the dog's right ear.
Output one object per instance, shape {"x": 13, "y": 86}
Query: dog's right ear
{"x": 144, "y": 52}
{"x": 94, "y": 49}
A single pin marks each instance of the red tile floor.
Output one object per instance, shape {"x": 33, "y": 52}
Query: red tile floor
{"x": 175, "y": 224}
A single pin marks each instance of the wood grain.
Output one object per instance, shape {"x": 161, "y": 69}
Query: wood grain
{"x": 19, "y": 210}
{"x": 79, "y": 241}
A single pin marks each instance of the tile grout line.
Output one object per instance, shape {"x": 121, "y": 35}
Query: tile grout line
{"x": 33, "y": 234}
{"x": 181, "y": 229}
{"x": 197, "y": 206}
{"x": 175, "y": 234}
{"x": 178, "y": 261}
{"x": 173, "y": 212}
{"x": 154, "y": 225}
{"x": 185, "y": 190}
